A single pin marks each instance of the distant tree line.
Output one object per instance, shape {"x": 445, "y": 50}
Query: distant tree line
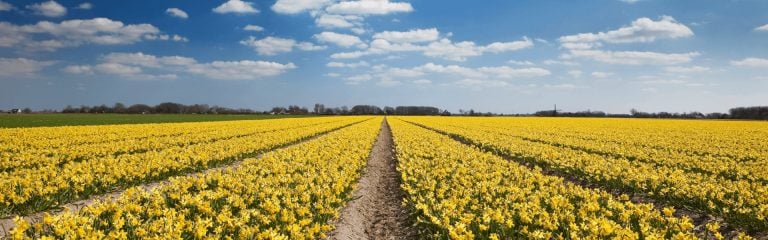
{"x": 756, "y": 112}
{"x": 166, "y": 107}
{"x": 321, "y": 109}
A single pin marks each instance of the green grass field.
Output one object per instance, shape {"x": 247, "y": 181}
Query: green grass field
{"x": 48, "y": 120}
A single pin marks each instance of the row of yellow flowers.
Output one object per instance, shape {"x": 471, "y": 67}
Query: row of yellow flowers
{"x": 291, "y": 193}
{"x": 35, "y": 147}
{"x": 742, "y": 203}
{"x": 33, "y": 189}
{"x": 461, "y": 192}
{"x": 733, "y": 150}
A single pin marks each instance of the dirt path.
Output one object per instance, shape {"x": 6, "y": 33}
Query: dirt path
{"x": 376, "y": 211}
{"x": 6, "y": 224}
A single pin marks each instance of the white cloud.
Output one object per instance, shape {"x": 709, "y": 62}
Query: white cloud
{"x": 508, "y": 72}
{"x": 402, "y": 73}
{"x": 411, "y": 36}
{"x": 270, "y": 45}
{"x": 177, "y": 13}
{"x": 561, "y": 86}
{"x": 236, "y": 6}
{"x": 641, "y": 30}
{"x": 4, "y": 6}
{"x": 274, "y": 45}
{"x": 117, "y": 68}
{"x": 446, "y": 49}
{"x": 630, "y": 1}
{"x": 49, "y": 9}
{"x": 85, "y": 6}
{"x": 297, "y": 6}
{"x": 348, "y": 65}
{"x": 254, "y": 28}
{"x": 426, "y": 42}
{"x": 601, "y": 74}
{"x": 135, "y": 65}
{"x": 21, "y": 67}
{"x": 751, "y": 62}
{"x": 422, "y": 81}
{"x": 357, "y": 79}
{"x": 50, "y": 36}
{"x": 343, "y": 40}
{"x": 388, "y": 82}
{"x": 308, "y": 46}
{"x": 692, "y": 69}
{"x": 240, "y": 70}
{"x": 369, "y": 7}
{"x": 333, "y": 75}
{"x": 452, "y": 51}
{"x": 575, "y": 73}
{"x": 450, "y": 69}
{"x": 559, "y": 62}
{"x": 79, "y": 69}
{"x": 336, "y": 21}
{"x": 632, "y": 57}
{"x": 521, "y": 63}
{"x": 763, "y": 28}
{"x": 498, "y": 47}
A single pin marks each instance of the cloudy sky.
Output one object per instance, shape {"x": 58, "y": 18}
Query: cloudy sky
{"x": 501, "y": 56}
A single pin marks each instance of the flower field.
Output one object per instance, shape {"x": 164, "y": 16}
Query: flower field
{"x": 460, "y": 177}
{"x": 44, "y": 167}
{"x": 710, "y": 168}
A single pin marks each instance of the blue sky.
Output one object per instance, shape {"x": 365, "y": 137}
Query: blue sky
{"x": 501, "y": 56}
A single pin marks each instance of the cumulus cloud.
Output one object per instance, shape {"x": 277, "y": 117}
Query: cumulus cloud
{"x": 426, "y": 41}
{"x": 763, "y": 28}
{"x": 692, "y": 69}
{"x": 48, "y": 9}
{"x": 498, "y": 47}
{"x": 21, "y": 67}
{"x": 411, "y": 36}
{"x": 521, "y": 63}
{"x": 422, "y": 81}
{"x": 274, "y": 45}
{"x": 254, "y": 28}
{"x": 240, "y": 70}
{"x": 357, "y": 79}
{"x": 369, "y": 7}
{"x": 85, "y": 6}
{"x": 641, "y": 30}
{"x": 236, "y": 6}
{"x": 298, "y": 6}
{"x": 601, "y": 74}
{"x": 270, "y": 45}
{"x": 508, "y": 72}
{"x": 308, "y": 46}
{"x": 340, "y": 39}
{"x": 632, "y": 57}
{"x": 4, "y": 6}
{"x": 338, "y": 21}
{"x": 50, "y": 36}
{"x": 141, "y": 66}
{"x": 751, "y": 62}
{"x": 175, "y": 12}
{"x": 79, "y": 69}
{"x": 348, "y": 65}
